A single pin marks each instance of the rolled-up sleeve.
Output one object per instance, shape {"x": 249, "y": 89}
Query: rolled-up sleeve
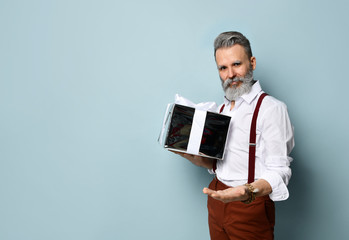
{"x": 277, "y": 144}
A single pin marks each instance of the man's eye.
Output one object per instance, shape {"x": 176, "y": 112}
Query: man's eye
{"x": 222, "y": 68}
{"x": 237, "y": 64}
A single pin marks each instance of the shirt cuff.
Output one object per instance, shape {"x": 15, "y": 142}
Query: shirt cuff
{"x": 279, "y": 188}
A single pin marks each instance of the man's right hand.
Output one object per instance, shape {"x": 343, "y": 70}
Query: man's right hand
{"x": 197, "y": 160}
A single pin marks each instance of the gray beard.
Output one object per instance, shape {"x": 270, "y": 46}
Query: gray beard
{"x": 232, "y": 93}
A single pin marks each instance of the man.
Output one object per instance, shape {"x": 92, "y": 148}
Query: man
{"x": 238, "y": 210}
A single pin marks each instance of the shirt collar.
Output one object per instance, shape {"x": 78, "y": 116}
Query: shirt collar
{"x": 248, "y": 97}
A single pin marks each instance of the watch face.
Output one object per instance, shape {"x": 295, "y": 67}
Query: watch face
{"x": 213, "y": 137}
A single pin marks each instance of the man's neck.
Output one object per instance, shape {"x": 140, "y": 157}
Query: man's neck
{"x": 232, "y": 105}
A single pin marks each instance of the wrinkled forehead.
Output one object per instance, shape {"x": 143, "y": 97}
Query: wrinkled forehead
{"x": 229, "y": 54}
{"x": 234, "y": 44}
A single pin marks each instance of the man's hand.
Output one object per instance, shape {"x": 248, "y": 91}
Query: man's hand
{"x": 239, "y": 193}
{"x": 228, "y": 195}
{"x": 197, "y": 160}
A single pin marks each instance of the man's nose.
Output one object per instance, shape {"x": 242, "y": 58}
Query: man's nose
{"x": 231, "y": 73}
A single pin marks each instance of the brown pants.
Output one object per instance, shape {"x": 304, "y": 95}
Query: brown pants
{"x": 236, "y": 220}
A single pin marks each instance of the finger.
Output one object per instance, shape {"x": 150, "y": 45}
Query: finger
{"x": 207, "y": 191}
{"x": 190, "y": 157}
{"x": 212, "y": 193}
{"x": 186, "y": 155}
{"x": 218, "y": 195}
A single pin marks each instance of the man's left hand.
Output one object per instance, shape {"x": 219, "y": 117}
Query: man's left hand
{"x": 228, "y": 195}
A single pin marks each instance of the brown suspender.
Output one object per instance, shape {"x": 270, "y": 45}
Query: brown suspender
{"x": 252, "y": 148}
{"x": 252, "y": 144}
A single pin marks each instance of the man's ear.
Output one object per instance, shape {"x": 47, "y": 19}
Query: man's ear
{"x": 253, "y": 62}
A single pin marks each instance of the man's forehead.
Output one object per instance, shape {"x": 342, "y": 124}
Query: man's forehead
{"x": 233, "y": 53}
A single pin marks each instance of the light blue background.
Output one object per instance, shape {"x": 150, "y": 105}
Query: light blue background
{"x": 83, "y": 90}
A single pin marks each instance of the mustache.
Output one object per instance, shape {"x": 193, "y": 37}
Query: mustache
{"x": 235, "y": 79}
{"x": 229, "y": 81}
{"x": 245, "y": 79}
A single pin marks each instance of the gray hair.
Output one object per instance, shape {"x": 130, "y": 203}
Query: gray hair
{"x": 228, "y": 39}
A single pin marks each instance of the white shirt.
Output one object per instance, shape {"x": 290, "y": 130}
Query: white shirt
{"x": 274, "y": 143}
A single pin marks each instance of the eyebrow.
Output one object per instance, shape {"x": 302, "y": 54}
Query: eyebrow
{"x": 235, "y": 62}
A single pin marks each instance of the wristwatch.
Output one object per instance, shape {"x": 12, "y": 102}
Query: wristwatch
{"x": 251, "y": 193}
